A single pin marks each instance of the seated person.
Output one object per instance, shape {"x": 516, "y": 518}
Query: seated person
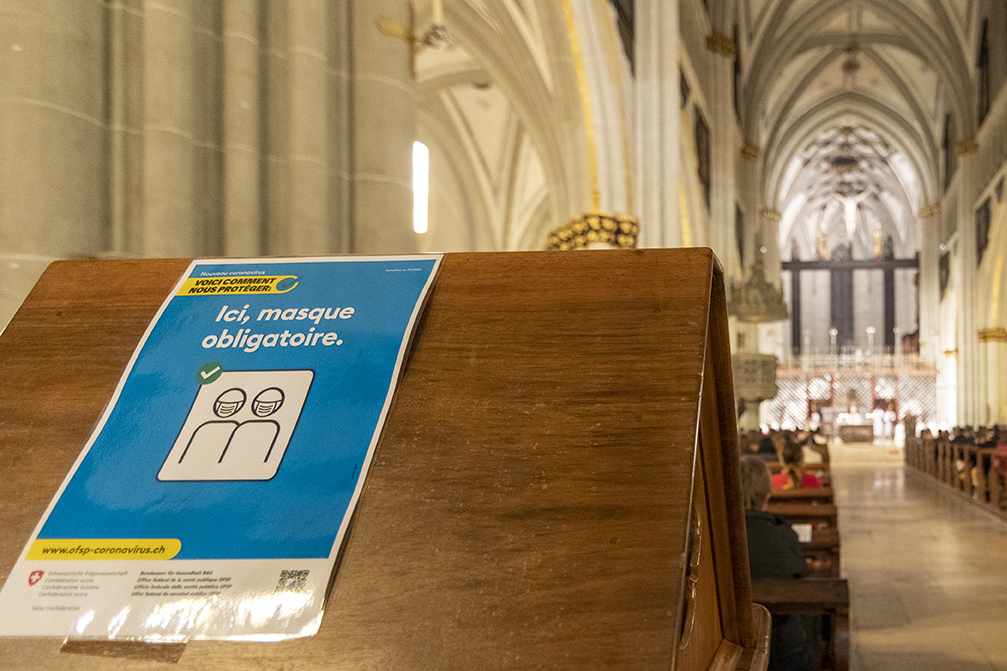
{"x": 815, "y": 449}
{"x": 793, "y": 475}
{"x": 990, "y": 437}
{"x": 748, "y": 441}
{"x": 767, "y": 450}
{"x": 774, "y": 552}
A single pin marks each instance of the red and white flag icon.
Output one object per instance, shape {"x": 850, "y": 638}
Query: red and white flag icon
{"x": 35, "y": 577}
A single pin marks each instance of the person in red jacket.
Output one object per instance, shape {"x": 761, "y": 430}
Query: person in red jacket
{"x": 793, "y": 475}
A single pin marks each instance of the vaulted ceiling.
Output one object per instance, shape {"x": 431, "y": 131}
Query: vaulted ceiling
{"x": 491, "y": 112}
{"x": 867, "y": 80}
{"x": 870, "y": 78}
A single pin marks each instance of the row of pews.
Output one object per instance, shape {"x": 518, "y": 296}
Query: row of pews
{"x": 823, "y": 593}
{"x": 970, "y": 469}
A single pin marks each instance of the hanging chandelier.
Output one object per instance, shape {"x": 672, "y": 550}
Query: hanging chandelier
{"x": 756, "y": 300}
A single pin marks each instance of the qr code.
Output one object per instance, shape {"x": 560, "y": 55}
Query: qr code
{"x": 292, "y": 581}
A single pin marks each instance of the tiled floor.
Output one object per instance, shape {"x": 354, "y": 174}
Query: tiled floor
{"x": 927, "y": 568}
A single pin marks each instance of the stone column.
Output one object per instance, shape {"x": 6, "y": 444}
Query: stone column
{"x": 125, "y": 86}
{"x": 746, "y": 337}
{"x": 52, "y": 135}
{"x": 307, "y": 158}
{"x": 969, "y": 381}
{"x": 384, "y": 128}
{"x": 929, "y": 288}
{"x": 169, "y": 157}
{"x": 998, "y": 373}
{"x": 723, "y": 152}
{"x": 340, "y": 134}
{"x": 242, "y": 219}
{"x": 657, "y": 130}
{"x": 993, "y": 343}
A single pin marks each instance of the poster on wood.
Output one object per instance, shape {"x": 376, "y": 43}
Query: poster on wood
{"x": 213, "y": 495}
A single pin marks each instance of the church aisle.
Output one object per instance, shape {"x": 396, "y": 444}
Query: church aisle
{"x": 926, "y": 569}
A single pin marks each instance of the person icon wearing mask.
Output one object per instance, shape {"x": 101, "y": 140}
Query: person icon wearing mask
{"x": 253, "y": 439}
{"x": 241, "y": 433}
{"x": 208, "y": 442}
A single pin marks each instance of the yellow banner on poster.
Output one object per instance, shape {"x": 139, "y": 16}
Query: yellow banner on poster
{"x": 106, "y": 549}
{"x": 237, "y": 284}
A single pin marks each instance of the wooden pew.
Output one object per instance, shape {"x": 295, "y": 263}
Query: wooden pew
{"x": 815, "y": 469}
{"x": 829, "y": 598}
{"x": 961, "y": 474}
{"x": 819, "y": 514}
{"x": 923, "y": 451}
{"x": 945, "y": 462}
{"x": 822, "y": 553}
{"x": 805, "y": 495}
{"x": 939, "y": 458}
{"x": 820, "y": 470}
{"x": 995, "y": 485}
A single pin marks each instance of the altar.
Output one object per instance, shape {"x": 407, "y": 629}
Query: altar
{"x": 856, "y": 433}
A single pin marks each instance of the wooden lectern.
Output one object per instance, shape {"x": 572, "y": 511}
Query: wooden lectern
{"x": 556, "y": 486}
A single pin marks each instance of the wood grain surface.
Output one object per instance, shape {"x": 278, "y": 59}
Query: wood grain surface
{"x": 805, "y": 513}
{"x": 803, "y": 495}
{"x": 528, "y": 502}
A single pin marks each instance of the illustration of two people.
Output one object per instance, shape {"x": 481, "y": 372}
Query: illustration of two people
{"x": 251, "y": 440}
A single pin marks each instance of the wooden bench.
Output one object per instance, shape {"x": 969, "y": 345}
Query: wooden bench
{"x": 819, "y": 470}
{"x": 828, "y": 598}
{"x": 822, "y": 553}
{"x": 940, "y": 458}
{"x": 819, "y": 514}
{"x": 805, "y": 495}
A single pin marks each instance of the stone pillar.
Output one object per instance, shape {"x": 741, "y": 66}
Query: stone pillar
{"x": 384, "y": 128}
{"x": 969, "y": 381}
{"x": 307, "y": 158}
{"x": 169, "y": 157}
{"x": 724, "y": 153}
{"x": 52, "y": 140}
{"x": 993, "y": 343}
{"x": 242, "y": 219}
{"x": 747, "y": 179}
{"x": 125, "y": 85}
{"x": 340, "y": 134}
{"x": 657, "y": 132}
{"x": 998, "y": 373}
{"x": 930, "y": 252}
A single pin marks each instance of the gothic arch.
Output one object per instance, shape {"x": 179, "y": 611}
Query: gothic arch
{"x": 828, "y": 112}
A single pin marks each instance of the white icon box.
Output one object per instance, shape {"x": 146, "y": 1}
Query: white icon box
{"x": 239, "y": 426}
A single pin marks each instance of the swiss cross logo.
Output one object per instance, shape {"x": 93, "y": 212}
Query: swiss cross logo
{"x": 35, "y": 577}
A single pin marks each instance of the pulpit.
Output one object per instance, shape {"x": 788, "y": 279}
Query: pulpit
{"x": 556, "y": 485}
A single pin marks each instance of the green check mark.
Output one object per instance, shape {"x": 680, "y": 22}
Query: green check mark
{"x": 209, "y": 372}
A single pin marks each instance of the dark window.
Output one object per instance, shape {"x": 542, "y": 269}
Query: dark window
{"x": 739, "y": 234}
{"x": 983, "y": 73}
{"x": 703, "y": 153}
{"x": 944, "y": 272}
{"x": 982, "y": 230}
{"x": 624, "y": 22}
{"x": 950, "y": 159}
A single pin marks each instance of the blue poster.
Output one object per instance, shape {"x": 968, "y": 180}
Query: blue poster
{"x": 214, "y": 493}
